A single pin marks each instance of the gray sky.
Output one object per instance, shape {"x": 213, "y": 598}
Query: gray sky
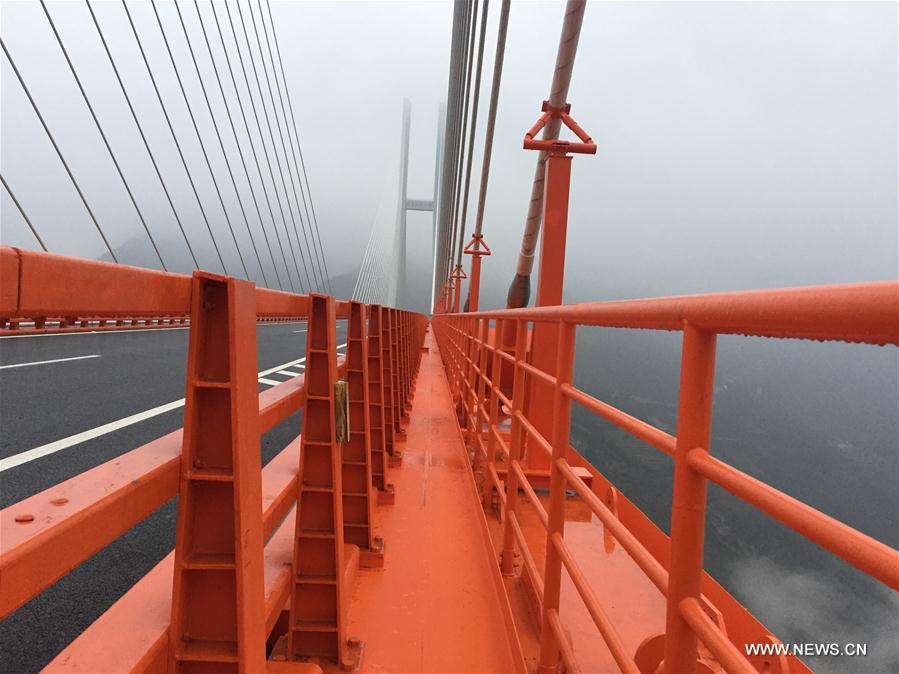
{"x": 740, "y": 144}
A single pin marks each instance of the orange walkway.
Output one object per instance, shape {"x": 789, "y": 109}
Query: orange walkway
{"x": 437, "y": 605}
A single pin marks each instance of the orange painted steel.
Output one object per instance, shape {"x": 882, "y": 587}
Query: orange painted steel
{"x": 493, "y": 419}
{"x": 217, "y": 596}
{"x": 477, "y": 248}
{"x": 556, "y": 146}
{"x": 229, "y": 589}
{"x": 317, "y": 617}
{"x": 357, "y": 475}
{"x": 377, "y": 423}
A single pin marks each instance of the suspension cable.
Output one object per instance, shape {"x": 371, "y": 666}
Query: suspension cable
{"x": 168, "y": 120}
{"x": 240, "y": 152}
{"x": 143, "y": 136}
{"x": 218, "y": 135}
{"x": 463, "y": 111}
{"x": 193, "y": 120}
{"x": 265, "y": 153}
{"x": 311, "y": 249}
{"x": 247, "y": 126}
{"x": 462, "y": 138}
{"x": 474, "y": 125}
{"x": 102, "y": 133}
{"x": 56, "y": 147}
{"x": 491, "y": 113}
{"x": 299, "y": 149}
{"x": 271, "y": 134}
{"x": 519, "y": 291}
{"x": 453, "y": 100}
{"x": 22, "y": 212}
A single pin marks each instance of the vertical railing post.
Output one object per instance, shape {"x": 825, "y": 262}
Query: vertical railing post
{"x": 561, "y": 429}
{"x": 694, "y": 423}
{"x": 398, "y": 405}
{"x": 507, "y": 557}
{"x": 493, "y": 410}
{"x": 468, "y": 392}
{"x": 389, "y": 369}
{"x": 358, "y": 492}
{"x": 483, "y": 336}
{"x": 317, "y": 615}
{"x": 549, "y": 293}
{"x": 376, "y": 405}
{"x": 218, "y": 602}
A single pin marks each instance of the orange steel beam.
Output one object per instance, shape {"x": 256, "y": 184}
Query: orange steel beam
{"x": 358, "y": 491}
{"x": 317, "y": 614}
{"x": 549, "y": 292}
{"x": 67, "y": 523}
{"x": 477, "y": 248}
{"x": 388, "y": 368}
{"x": 561, "y": 422}
{"x": 694, "y": 427}
{"x": 133, "y": 635}
{"x": 31, "y": 287}
{"x": 852, "y": 312}
{"x": 862, "y": 313}
{"x": 376, "y": 402}
{"x": 217, "y": 597}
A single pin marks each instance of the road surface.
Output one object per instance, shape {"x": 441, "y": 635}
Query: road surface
{"x": 69, "y": 402}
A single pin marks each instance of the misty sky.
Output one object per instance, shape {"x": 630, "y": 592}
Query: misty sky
{"x": 740, "y": 144}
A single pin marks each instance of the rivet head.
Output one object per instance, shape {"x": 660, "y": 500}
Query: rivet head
{"x": 62, "y": 500}
{"x": 24, "y": 518}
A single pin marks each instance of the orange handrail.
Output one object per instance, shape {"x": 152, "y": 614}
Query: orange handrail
{"x": 864, "y": 313}
{"x": 47, "y": 535}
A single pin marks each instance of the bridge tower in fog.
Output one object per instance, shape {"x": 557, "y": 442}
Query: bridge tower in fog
{"x": 382, "y": 276}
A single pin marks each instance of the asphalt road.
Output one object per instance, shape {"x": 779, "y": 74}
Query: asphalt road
{"x": 110, "y": 389}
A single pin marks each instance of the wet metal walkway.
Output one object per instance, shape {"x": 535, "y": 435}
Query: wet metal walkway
{"x": 438, "y": 603}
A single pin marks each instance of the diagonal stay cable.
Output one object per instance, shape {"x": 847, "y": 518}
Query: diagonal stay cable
{"x": 457, "y": 197}
{"x": 112, "y": 156}
{"x": 193, "y": 120}
{"x": 457, "y": 157}
{"x": 22, "y": 212}
{"x": 56, "y": 147}
{"x": 168, "y": 120}
{"x": 268, "y": 82}
{"x": 140, "y": 130}
{"x": 271, "y": 135}
{"x": 240, "y": 152}
{"x": 299, "y": 147}
{"x": 474, "y": 126}
{"x": 265, "y": 152}
{"x": 218, "y": 135}
{"x": 246, "y": 123}
{"x": 294, "y": 175}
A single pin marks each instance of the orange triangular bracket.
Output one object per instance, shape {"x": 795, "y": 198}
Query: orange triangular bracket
{"x": 458, "y": 272}
{"x": 556, "y": 146}
{"x": 477, "y": 246}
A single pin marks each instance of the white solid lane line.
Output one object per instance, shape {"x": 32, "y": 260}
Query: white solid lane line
{"x": 64, "y": 443}
{"x": 119, "y": 332}
{"x": 52, "y": 447}
{"x": 269, "y": 382}
{"x": 45, "y": 362}
{"x": 296, "y": 331}
{"x": 288, "y": 373}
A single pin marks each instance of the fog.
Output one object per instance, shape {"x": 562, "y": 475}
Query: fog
{"x": 741, "y": 145}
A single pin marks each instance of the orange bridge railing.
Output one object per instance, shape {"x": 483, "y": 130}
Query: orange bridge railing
{"x": 516, "y": 416}
{"x": 235, "y": 565}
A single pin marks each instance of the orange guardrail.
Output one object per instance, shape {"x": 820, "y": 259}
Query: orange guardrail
{"x": 487, "y": 356}
{"x": 230, "y": 507}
